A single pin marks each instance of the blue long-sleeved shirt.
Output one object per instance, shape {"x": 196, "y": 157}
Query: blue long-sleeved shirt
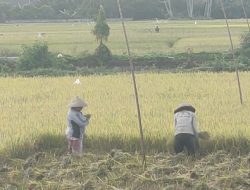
{"x": 76, "y": 123}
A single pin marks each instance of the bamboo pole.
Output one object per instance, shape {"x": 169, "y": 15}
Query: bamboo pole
{"x": 132, "y": 67}
{"x": 232, "y": 50}
{"x": 245, "y": 13}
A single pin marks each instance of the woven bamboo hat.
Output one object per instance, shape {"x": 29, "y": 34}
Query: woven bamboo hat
{"x": 186, "y": 107}
{"x": 77, "y": 102}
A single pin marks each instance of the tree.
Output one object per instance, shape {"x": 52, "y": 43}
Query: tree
{"x": 46, "y": 12}
{"x": 136, "y": 9}
{"x": 179, "y": 8}
{"x": 28, "y": 12}
{"x": 101, "y": 31}
{"x": 168, "y": 6}
{"x": 190, "y": 7}
{"x": 146, "y": 9}
{"x": 88, "y": 8}
{"x": 5, "y": 10}
{"x": 208, "y": 8}
{"x": 245, "y": 49}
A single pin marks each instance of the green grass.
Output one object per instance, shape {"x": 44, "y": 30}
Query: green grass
{"x": 73, "y": 38}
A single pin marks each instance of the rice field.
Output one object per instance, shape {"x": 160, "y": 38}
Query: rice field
{"x": 174, "y": 37}
{"x": 33, "y": 111}
{"x": 33, "y": 121}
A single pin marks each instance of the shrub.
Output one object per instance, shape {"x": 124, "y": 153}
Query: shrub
{"x": 244, "y": 59}
{"x": 244, "y": 51}
{"x": 103, "y": 54}
{"x": 7, "y": 65}
{"x": 101, "y": 31}
{"x": 83, "y": 60}
{"x": 36, "y": 56}
{"x": 245, "y": 40}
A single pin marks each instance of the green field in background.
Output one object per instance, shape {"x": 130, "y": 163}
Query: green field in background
{"x": 174, "y": 37}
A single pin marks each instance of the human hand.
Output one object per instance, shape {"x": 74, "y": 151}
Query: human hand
{"x": 88, "y": 116}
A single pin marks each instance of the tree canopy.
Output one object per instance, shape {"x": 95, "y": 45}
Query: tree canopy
{"x": 101, "y": 29}
{"x": 135, "y": 9}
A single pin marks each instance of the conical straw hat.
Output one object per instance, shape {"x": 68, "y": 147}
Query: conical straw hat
{"x": 184, "y": 106}
{"x": 77, "y": 102}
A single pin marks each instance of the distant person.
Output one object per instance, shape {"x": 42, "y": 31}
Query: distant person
{"x": 76, "y": 124}
{"x": 186, "y": 132}
{"x": 157, "y": 29}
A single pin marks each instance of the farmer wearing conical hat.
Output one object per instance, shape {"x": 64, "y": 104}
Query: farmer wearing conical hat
{"x": 76, "y": 124}
{"x": 186, "y": 131}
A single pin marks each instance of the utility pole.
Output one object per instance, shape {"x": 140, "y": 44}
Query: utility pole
{"x": 232, "y": 50}
{"x": 132, "y": 67}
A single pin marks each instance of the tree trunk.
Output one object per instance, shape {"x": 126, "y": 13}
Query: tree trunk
{"x": 168, "y": 7}
{"x": 208, "y": 8}
{"x": 190, "y": 7}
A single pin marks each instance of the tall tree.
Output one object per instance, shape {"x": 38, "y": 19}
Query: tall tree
{"x": 136, "y": 9}
{"x": 190, "y": 7}
{"x": 4, "y": 11}
{"x": 89, "y": 8}
{"x": 208, "y": 8}
{"x": 168, "y": 7}
{"x": 146, "y": 9}
{"x": 101, "y": 30}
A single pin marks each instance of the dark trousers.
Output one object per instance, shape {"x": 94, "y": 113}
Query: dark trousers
{"x": 185, "y": 140}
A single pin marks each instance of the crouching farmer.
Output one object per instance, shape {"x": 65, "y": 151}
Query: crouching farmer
{"x": 76, "y": 123}
{"x": 186, "y": 132}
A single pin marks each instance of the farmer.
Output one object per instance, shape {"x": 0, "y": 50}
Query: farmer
{"x": 157, "y": 29}
{"x": 76, "y": 123}
{"x": 186, "y": 132}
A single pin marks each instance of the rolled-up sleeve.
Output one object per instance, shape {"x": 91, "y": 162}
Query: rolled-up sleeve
{"x": 81, "y": 120}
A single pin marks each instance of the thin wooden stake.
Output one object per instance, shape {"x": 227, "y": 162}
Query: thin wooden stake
{"x": 132, "y": 67}
{"x": 245, "y": 13}
{"x": 232, "y": 50}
